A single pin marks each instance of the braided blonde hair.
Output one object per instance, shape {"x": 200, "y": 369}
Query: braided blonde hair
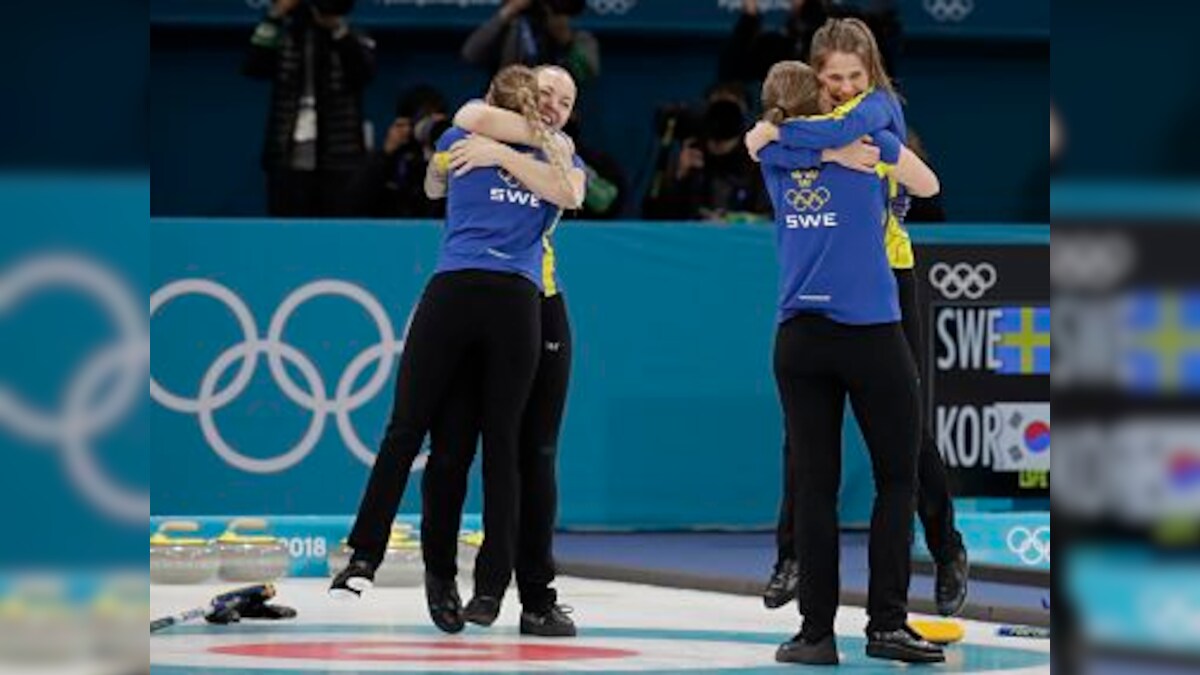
{"x": 515, "y": 88}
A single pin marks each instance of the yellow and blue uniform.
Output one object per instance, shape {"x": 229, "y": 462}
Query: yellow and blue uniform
{"x": 495, "y": 223}
{"x": 840, "y": 337}
{"x": 830, "y": 244}
{"x": 455, "y": 437}
{"x": 550, "y": 284}
{"x": 872, "y": 110}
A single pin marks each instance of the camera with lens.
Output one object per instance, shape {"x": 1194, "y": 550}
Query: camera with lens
{"x": 719, "y": 120}
{"x": 679, "y": 119}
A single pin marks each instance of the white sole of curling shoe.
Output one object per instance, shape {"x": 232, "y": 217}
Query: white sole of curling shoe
{"x": 358, "y": 586}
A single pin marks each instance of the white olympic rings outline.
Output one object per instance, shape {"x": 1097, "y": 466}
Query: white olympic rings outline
{"x": 1090, "y": 260}
{"x": 605, "y": 7}
{"x": 76, "y": 424}
{"x": 1031, "y": 546}
{"x": 345, "y": 399}
{"x": 764, "y": 6}
{"x": 963, "y": 279}
{"x": 949, "y": 10}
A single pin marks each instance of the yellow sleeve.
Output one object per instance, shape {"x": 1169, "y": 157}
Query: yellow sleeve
{"x": 896, "y": 241}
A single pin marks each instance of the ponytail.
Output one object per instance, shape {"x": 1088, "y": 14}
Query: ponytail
{"x": 775, "y": 115}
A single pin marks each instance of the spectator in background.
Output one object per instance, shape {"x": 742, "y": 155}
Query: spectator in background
{"x": 751, "y": 51}
{"x": 712, "y": 177}
{"x": 534, "y": 33}
{"x": 395, "y": 175}
{"x": 315, "y": 147}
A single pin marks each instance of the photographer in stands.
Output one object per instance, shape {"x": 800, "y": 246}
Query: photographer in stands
{"x": 712, "y": 177}
{"x": 534, "y": 33}
{"x": 394, "y": 185}
{"x": 314, "y": 148}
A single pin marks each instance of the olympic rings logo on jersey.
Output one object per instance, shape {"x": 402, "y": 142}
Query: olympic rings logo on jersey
{"x": 100, "y": 394}
{"x": 949, "y": 10}
{"x": 807, "y": 199}
{"x": 509, "y": 179}
{"x": 963, "y": 280}
{"x": 611, "y": 6}
{"x": 316, "y": 400}
{"x": 1031, "y": 546}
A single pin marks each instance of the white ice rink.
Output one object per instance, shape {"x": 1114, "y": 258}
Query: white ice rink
{"x": 623, "y": 628}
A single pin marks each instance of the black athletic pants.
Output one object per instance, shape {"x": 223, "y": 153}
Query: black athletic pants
{"x": 493, "y": 319}
{"x": 934, "y": 504}
{"x": 455, "y": 430}
{"x": 818, "y": 362}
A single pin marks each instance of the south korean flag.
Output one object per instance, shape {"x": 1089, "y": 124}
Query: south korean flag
{"x": 1023, "y": 442}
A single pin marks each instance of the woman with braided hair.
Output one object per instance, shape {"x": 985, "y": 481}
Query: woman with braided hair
{"x": 480, "y": 310}
{"x": 455, "y": 430}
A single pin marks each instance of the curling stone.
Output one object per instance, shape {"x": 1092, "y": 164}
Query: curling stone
{"x": 117, "y": 620}
{"x": 181, "y": 560}
{"x": 402, "y": 563}
{"x": 251, "y": 557}
{"x": 468, "y": 547}
{"x": 41, "y": 626}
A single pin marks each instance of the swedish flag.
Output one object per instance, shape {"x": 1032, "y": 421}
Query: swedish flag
{"x": 1161, "y": 351}
{"x": 1024, "y": 347}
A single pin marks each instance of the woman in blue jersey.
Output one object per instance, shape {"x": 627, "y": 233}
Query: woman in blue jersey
{"x": 455, "y": 430}
{"x": 481, "y": 307}
{"x": 839, "y": 335}
{"x": 848, "y": 64}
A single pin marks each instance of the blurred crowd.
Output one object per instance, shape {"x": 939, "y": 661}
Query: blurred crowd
{"x": 321, "y": 159}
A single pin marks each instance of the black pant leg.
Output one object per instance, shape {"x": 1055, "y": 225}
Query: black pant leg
{"x": 511, "y": 341}
{"x": 883, "y": 391}
{"x": 432, "y": 350}
{"x": 785, "y": 540}
{"x": 813, "y": 398}
{"x": 453, "y": 439}
{"x": 540, "y": 428}
{"x": 935, "y": 505}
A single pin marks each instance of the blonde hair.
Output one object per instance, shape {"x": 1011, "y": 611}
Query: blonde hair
{"x": 515, "y": 88}
{"x": 850, "y": 36}
{"x": 790, "y": 89}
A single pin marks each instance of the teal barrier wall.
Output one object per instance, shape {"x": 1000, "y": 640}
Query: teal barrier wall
{"x": 672, "y": 421}
{"x": 75, "y": 450}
